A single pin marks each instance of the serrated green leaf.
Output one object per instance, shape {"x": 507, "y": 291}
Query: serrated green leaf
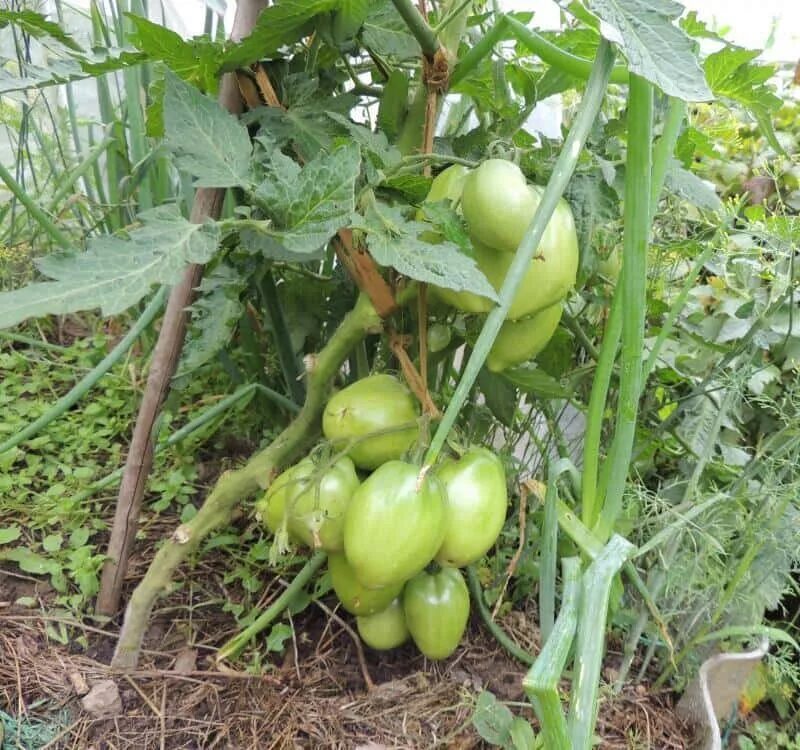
{"x": 535, "y": 382}
{"x": 304, "y": 123}
{"x": 655, "y": 47}
{"x": 690, "y": 187}
{"x": 215, "y": 314}
{"x": 280, "y": 24}
{"x": 208, "y": 142}
{"x": 733, "y": 75}
{"x": 307, "y": 207}
{"x": 414, "y": 187}
{"x": 38, "y": 27}
{"x": 374, "y": 144}
{"x": 394, "y": 241}
{"x": 195, "y": 60}
{"x": 448, "y": 223}
{"x": 386, "y": 33}
{"x": 114, "y": 273}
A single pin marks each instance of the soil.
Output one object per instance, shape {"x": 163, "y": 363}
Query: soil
{"x": 324, "y": 692}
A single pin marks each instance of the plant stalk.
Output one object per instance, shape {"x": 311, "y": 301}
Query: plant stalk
{"x": 638, "y": 187}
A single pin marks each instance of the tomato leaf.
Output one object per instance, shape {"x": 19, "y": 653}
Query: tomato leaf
{"x": 208, "y": 142}
{"x": 394, "y": 241}
{"x": 656, "y": 49}
{"x": 386, "y": 33}
{"x": 114, "y": 273}
{"x": 279, "y": 24}
{"x": 308, "y": 206}
{"x": 534, "y": 381}
{"x": 195, "y": 60}
{"x": 37, "y": 26}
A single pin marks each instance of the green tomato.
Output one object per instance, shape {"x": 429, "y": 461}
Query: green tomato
{"x": 438, "y": 337}
{"x": 384, "y": 630}
{"x": 497, "y": 204}
{"x": 521, "y": 340}
{"x": 355, "y": 598}
{"x": 475, "y": 506}
{"x": 314, "y": 506}
{"x": 372, "y": 404}
{"x": 394, "y": 525}
{"x": 436, "y": 606}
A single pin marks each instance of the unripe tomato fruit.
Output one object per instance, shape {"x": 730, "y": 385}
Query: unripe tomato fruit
{"x": 314, "y": 506}
{"x": 521, "y": 340}
{"x": 394, "y": 525}
{"x": 372, "y": 404}
{"x": 385, "y": 629}
{"x": 436, "y": 606}
{"x": 438, "y": 337}
{"x": 475, "y": 505}
{"x": 355, "y": 598}
{"x": 497, "y": 204}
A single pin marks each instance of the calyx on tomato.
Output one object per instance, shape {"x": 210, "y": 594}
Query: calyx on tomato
{"x": 314, "y": 505}
{"x": 355, "y": 598}
{"x": 521, "y": 340}
{"x": 385, "y": 629}
{"x": 394, "y": 524}
{"x": 375, "y": 404}
{"x": 476, "y": 501}
{"x": 436, "y": 606}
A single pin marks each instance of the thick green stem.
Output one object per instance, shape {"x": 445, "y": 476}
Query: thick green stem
{"x": 497, "y": 632}
{"x": 638, "y": 181}
{"x": 92, "y": 377}
{"x": 32, "y": 207}
{"x": 235, "y": 645}
{"x": 665, "y": 147}
{"x": 418, "y": 26}
{"x": 662, "y": 152}
{"x": 234, "y": 486}
{"x": 541, "y": 682}
{"x": 549, "y": 551}
{"x": 596, "y": 589}
{"x": 562, "y": 172}
{"x": 590, "y": 505}
{"x": 552, "y": 54}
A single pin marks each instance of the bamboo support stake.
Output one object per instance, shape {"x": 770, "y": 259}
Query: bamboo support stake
{"x": 207, "y": 204}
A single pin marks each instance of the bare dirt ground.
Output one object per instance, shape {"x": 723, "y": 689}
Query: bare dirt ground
{"x": 320, "y": 694}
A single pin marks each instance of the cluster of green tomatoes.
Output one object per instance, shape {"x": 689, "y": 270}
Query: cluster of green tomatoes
{"x": 395, "y": 536}
{"x": 497, "y": 205}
